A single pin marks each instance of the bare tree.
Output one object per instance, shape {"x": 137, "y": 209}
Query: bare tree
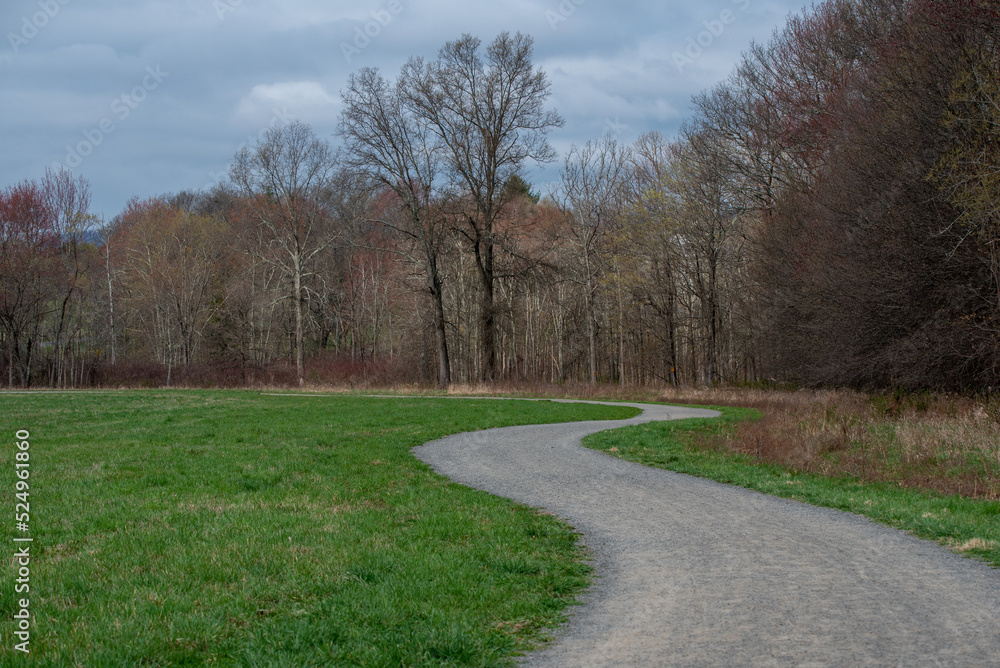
{"x": 174, "y": 261}
{"x": 28, "y": 264}
{"x": 592, "y": 182}
{"x": 396, "y": 148}
{"x": 649, "y": 243}
{"x": 489, "y": 113}
{"x": 68, "y": 201}
{"x": 970, "y": 173}
{"x": 699, "y": 179}
{"x": 285, "y": 176}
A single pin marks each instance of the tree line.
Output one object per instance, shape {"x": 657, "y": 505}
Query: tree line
{"x": 827, "y": 216}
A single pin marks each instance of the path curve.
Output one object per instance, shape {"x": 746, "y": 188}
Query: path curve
{"x": 693, "y": 572}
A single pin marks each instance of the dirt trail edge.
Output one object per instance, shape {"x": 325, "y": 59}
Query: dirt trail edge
{"x": 692, "y": 572}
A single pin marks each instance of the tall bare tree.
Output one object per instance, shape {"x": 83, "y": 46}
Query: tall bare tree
{"x": 286, "y": 176}
{"x": 396, "y": 148}
{"x": 592, "y": 190}
{"x": 699, "y": 179}
{"x": 68, "y": 201}
{"x": 489, "y": 112}
{"x": 649, "y": 243}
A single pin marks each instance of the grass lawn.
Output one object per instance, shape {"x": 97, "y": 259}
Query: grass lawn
{"x": 970, "y": 526}
{"x": 231, "y": 528}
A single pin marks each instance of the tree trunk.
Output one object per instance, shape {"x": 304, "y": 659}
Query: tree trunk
{"x": 621, "y": 331}
{"x": 111, "y": 301}
{"x": 591, "y": 333}
{"x": 671, "y": 332}
{"x": 440, "y": 333}
{"x": 484, "y": 253}
{"x": 299, "y": 365}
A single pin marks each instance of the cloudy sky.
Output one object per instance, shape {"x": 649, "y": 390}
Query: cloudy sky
{"x": 146, "y": 97}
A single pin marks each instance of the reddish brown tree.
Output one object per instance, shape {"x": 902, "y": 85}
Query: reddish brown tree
{"x": 29, "y": 269}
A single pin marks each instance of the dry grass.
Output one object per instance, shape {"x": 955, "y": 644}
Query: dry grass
{"x": 974, "y": 544}
{"x": 947, "y": 444}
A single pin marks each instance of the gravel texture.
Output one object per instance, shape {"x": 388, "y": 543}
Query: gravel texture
{"x": 691, "y": 572}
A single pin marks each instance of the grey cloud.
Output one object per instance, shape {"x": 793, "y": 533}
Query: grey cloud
{"x": 234, "y": 65}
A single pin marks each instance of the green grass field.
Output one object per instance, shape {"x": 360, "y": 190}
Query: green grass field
{"x": 231, "y": 528}
{"x": 969, "y": 526}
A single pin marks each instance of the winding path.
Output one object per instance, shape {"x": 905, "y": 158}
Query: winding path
{"x": 692, "y": 572}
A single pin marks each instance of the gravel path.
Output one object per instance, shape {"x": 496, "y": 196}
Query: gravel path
{"x": 692, "y": 572}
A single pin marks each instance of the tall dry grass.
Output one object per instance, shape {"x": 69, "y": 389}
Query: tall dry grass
{"x": 947, "y": 444}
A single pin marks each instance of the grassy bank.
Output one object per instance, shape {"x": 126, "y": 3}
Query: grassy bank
{"x": 710, "y": 449}
{"x": 231, "y": 528}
